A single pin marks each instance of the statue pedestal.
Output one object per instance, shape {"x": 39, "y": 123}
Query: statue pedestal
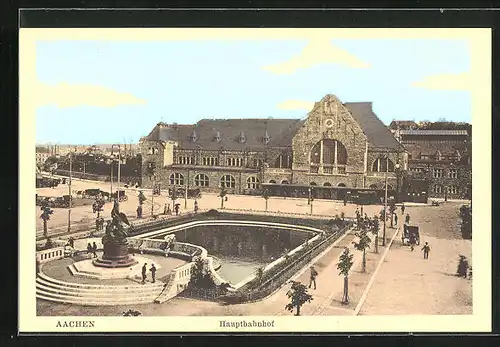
{"x": 115, "y": 255}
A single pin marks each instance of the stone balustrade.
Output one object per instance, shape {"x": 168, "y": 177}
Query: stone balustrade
{"x": 50, "y": 254}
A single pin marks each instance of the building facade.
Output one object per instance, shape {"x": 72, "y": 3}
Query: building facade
{"x": 442, "y": 159}
{"x": 336, "y": 145}
{"x": 42, "y": 153}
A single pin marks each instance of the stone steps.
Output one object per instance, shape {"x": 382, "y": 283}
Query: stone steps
{"x": 95, "y": 286}
{"x": 51, "y": 289}
{"x": 111, "y": 290}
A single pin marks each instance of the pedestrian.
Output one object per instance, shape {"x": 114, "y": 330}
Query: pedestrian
{"x": 94, "y": 250}
{"x": 426, "y": 250}
{"x": 169, "y": 211}
{"x": 153, "y": 272}
{"x": 402, "y": 209}
{"x": 144, "y": 269}
{"x": 396, "y": 219}
{"x": 89, "y": 248}
{"x": 407, "y": 219}
{"x": 196, "y": 206}
{"x": 412, "y": 242}
{"x": 165, "y": 209}
{"x": 71, "y": 242}
{"x": 176, "y": 207}
{"x": 314, "y": 274}
{"x": 139, "y": 211}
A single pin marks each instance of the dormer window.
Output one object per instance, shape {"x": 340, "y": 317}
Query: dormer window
{"x": 242, "y": 138}
{"x": 193, "y": 137}
{"x": 217, "y": 137}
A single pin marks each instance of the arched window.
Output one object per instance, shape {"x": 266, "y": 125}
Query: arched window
{"x": 227, "y": 181}
{"x": 330, "y": 152}
{"x": 201, "y": 180}
{"x": 380, "y": 165}
{"x": 341, "y": 185}
{"x": 272, "y": 181}
{"x": 284, "y": 182}
{"x": 327, "y": 184}
{"x": 313, "y": 184}
{"x": 373, "y": 186}
{"x": 177, "y": 179}
{"x": 253, "y": 182}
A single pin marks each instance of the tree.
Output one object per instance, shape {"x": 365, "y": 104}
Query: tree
{"x": 344, "y": 266}
{"x": 298, "y": 296}
{"x": 466, "y": 226}
{"x": 200, "y": 277}
{"x": 265, "y": 195}
{"x": 97, "y": 206}
{"x": 392, "y": 209}
{"x": 259, "y": 274}
{"x": 222, "y": 196}
{"x": 45, "y": 216}
{"x": 362, "y": 244}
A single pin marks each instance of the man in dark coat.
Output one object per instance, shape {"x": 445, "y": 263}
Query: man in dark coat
{"x": 426, "y": 250}
{"x": 144, "y": 269}
{"x": 153, "y": 272}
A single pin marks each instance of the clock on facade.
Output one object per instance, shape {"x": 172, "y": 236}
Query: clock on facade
{"x": 329, "y": 123}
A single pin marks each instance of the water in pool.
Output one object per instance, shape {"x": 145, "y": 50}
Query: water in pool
{"x": 235, "y": 270}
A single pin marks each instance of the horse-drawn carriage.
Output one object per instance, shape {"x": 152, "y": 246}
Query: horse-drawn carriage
{"x": 92, "y": 193}
{"x": 411, "y": 235}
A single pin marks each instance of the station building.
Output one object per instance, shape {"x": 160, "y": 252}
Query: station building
{"x": 337, "y": 147}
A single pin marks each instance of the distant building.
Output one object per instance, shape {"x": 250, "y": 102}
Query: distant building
{"x": 42, "y": 153}
{"x": 441, "y": 159}
{"x": 337, "y": 145}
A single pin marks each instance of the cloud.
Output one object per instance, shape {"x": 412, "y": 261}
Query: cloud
{"x": 70, "y": 95}
{"x": 296, "y": 105}
{"x": 317, "y": 51}
{"x": 460, "y": 81}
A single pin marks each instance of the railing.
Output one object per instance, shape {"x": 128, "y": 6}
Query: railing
{"x": 277, "y": 280}
{"x": 50, "y": 254}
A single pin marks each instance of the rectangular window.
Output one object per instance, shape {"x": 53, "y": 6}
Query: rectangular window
{"x": 452, "y": 190}
{"x": 438, "y": 189}
{"x": 437, "y": 173}
{"x": 452, "y": 173}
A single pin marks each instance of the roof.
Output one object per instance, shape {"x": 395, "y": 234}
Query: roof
{"x": 402, "y": 123}
{"x": 279, "y": 131}
{"x": 378, "y": 134}
{"x": 434, "y": 132}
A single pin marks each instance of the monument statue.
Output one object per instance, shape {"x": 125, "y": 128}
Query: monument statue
{"x": 115, "y": 242}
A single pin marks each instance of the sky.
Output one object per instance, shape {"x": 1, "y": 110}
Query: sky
{"x": 116, "y": 91}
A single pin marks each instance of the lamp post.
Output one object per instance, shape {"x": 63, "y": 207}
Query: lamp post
{"x": 310, "y": 200}
{"x": 397, "y": 181}
{"x": 119, "y": 165}
{"x": 385, "y": 197}
{"x": 69, "y": 189}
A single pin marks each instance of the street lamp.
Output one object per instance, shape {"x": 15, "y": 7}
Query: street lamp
{"x": 69, "y": 189}
{"x": 119, "y": 165}
{"x": 397, "y": 181}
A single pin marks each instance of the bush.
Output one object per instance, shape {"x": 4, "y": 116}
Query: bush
{"x": 212, "y": 213}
